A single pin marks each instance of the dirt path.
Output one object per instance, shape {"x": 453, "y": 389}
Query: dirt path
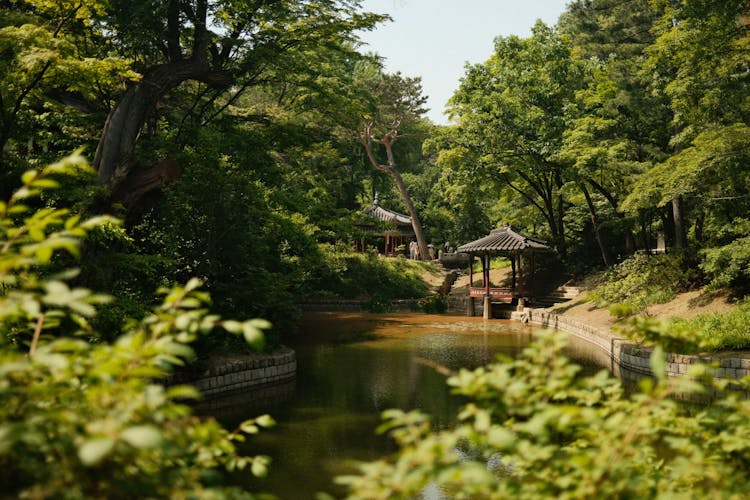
{"x": 684, "y": 305}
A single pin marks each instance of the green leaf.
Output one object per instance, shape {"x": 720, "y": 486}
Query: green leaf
{"x": 658, "y": 363}
{"x": 93, "y": 451}
{"x": 45, "y": 184}
{"x": 501, "y": 438}
{"x": 142, "y": 436}
{"x": 193, "y": 284}
{"x": 183, "y": 392}
{"x": 253, "y": 335}
{"x": 259, "y": 468}
{"x": 28, "y": 176}
{"x": 249, "y": 427}
{"x": 232, "y": 326}
{"x": 260, "y": 323}
{"x": 37, "y": 234}
{"x": 265, "y": 421}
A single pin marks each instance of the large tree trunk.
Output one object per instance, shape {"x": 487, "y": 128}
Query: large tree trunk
{"x": 562, "y": 246}
{"x": 595, "y": 223}
{"x": 391, "y": 170}
{"x": 678, "y": 216}
{"x": 114, "y": 158}
{"x": 415, "y": 223}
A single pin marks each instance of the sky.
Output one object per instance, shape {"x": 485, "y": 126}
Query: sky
{"x": 434, "y": 39}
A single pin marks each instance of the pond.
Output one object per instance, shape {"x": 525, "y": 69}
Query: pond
{"x": 351, "y": 367}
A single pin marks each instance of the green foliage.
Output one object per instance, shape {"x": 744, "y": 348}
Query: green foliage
{"x": 640, "y": 280}
{"x": 350, "y": 275}
{"x": 535, "y": 428}
{"x": 728, "y": 265}
{"x": 498, "y": 262}
{"x": 722, "y": 331}
{"x": 433, "y": 304}
{"x": 511, "y": 111}
{"x": 54, "y": 75}
{"x": 83, "y": 420}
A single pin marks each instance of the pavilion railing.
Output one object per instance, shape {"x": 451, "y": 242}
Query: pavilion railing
{"x": 495, "y": 293}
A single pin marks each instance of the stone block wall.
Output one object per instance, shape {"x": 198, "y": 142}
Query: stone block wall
{"x": 629, "y": 360}
{"x": 241, "y": 373}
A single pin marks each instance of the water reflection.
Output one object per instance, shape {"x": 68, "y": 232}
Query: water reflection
{"x": 350, "y": 368}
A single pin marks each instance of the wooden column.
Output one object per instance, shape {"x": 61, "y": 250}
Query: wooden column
{"x": 486, "y": 273}
{"x": 521, "y": 287}
{"x": 487, "y": 309}
{"x": 471, "y": 270}
{"x": 470, "y": 304}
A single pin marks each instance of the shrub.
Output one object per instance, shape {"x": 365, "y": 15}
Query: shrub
{"x": 535, "y": 428}
{"x": 720, "y": 331}
{"x": 639, "y": 281}
{"x": 82, "y": 420}
{"x": 729, "y": 265}
{"x": 351, "y": 275}
{"x": 433, "y": 304}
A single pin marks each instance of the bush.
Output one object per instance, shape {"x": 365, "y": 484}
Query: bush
{"x": 82, "y": 420}
{"x": 639, "y": 281}
{"x": 720, "y": 331}
{"x": 729, "y": 265}
{"x": 351, "y": 275}
{"x": 433, "y": 304}
{"x": 535, "y": 428}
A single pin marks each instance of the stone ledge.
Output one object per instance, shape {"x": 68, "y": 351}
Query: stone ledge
{"x": 239, "y": 373}
{"x": 634, "y": 358}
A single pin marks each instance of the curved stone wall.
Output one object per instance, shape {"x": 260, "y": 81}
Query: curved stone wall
{"x": 629, "y": 359}
{"x": 241, "y": 373}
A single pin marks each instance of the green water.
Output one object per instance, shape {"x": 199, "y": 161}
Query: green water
{"x": 351, "y": 367}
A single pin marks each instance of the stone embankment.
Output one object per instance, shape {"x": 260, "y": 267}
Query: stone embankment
{"x": 628, "y": 358}
{"x": 232, "y": 374}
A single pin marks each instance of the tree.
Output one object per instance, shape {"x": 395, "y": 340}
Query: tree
{"x": 51, "y": 68}
{"x": 698, "y": 62}
{"x": 510, "y": 111}
{"x": 398, "y": 103}
{"x": 224, "y": 46}
{"x": 616, "y": 127}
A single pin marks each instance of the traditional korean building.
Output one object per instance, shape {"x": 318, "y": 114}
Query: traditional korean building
{"x": 389, "y": 230}
{"x": 514, "y": 245}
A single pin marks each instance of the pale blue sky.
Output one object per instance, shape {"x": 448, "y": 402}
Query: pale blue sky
{"x": 434, "y": 39}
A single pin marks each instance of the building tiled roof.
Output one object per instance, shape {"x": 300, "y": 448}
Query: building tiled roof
{"x": 386, "y": 215}
{"x": 503, "y": 239}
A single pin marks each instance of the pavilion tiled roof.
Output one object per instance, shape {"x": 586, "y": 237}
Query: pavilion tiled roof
{"x": 387, "y": 215}
{"x": 503, "y": 239}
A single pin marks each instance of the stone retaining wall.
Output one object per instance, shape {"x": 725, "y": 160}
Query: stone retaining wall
{"x": 628, "y": 358}
{"x": 343, "y": 305}
{"x": 237, "y": 374}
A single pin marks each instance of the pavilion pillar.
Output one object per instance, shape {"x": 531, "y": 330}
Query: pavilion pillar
{"x": 486, "y": 273}
{"x": 487, "y": 309}
{"x": 521, "y": 277}
{"x": 470, "y": 303}
{"x": 471, "y": 270}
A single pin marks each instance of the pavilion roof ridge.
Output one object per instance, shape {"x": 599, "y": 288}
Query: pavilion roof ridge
{"x": 384, "y": 214}
{"x": 503, "y": 239}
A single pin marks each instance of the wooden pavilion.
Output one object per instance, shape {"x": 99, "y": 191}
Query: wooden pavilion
{"x": 393, "y": 227}
{"x": 514, "y": 245}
